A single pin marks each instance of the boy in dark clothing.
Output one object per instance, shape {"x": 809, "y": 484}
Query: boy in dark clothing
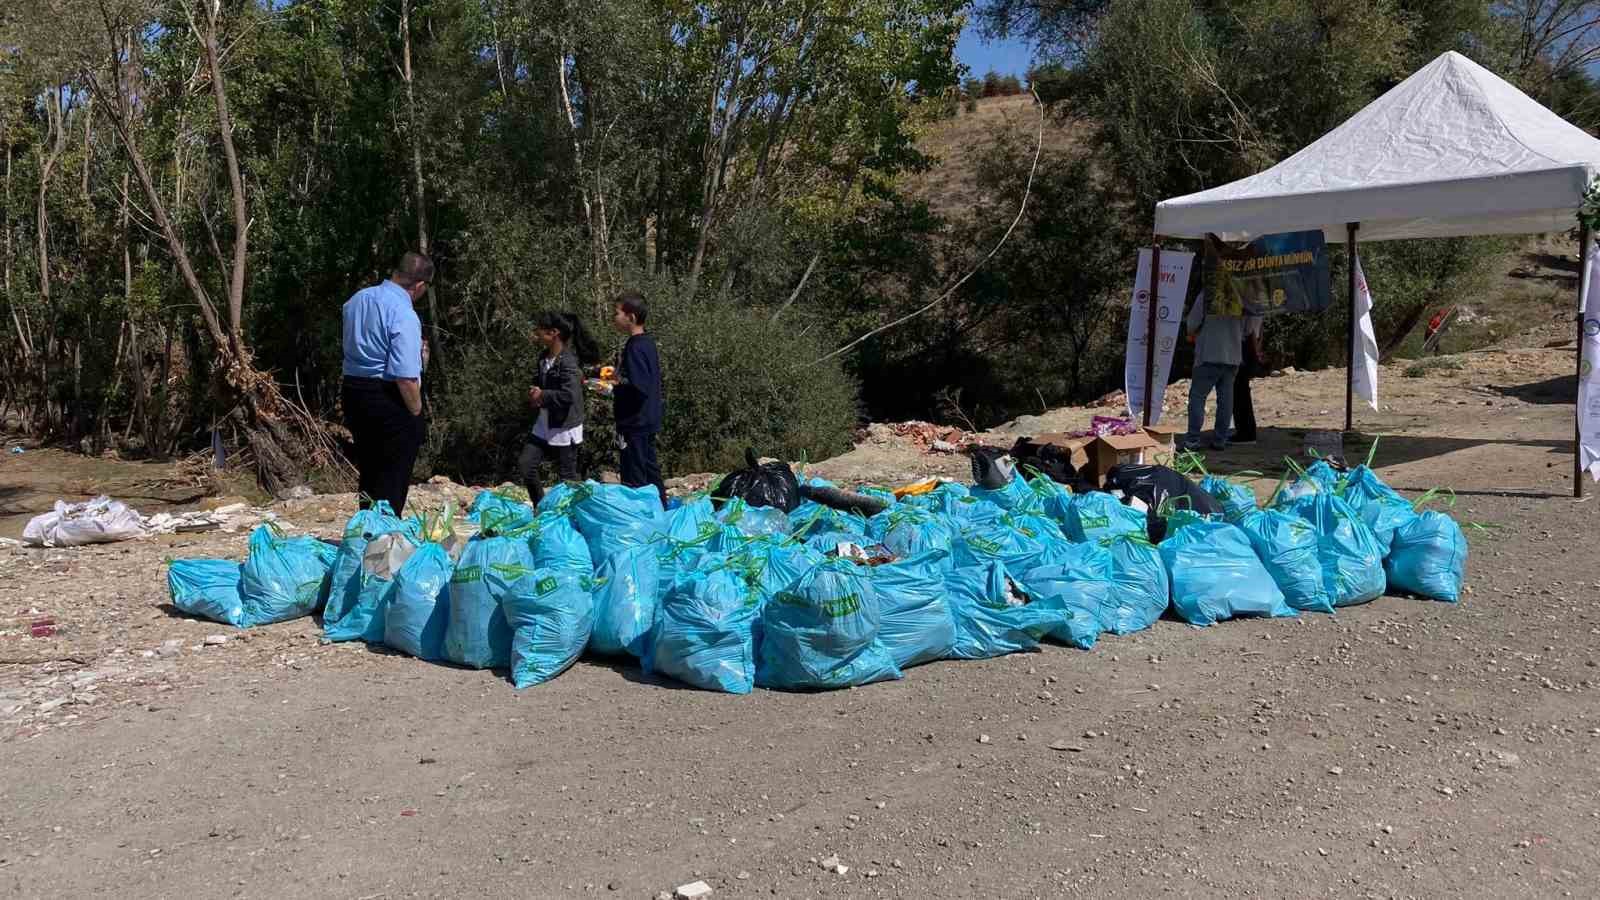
{"x": 638, "y": 396}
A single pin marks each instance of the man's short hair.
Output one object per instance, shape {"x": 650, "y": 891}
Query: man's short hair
{"x": 412, "y": 269}
{"x": 632, "y": 303}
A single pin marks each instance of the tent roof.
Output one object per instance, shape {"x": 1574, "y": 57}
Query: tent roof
{"x": 1453, "y": 150}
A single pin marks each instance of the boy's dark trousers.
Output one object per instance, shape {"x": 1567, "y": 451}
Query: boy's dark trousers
{"x": 639, "y": 464}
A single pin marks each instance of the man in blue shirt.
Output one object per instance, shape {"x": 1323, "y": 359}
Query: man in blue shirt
{"x": 382, "y": 394}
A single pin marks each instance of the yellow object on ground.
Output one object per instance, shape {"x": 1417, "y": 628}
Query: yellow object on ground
{"x": 914, "y": 490}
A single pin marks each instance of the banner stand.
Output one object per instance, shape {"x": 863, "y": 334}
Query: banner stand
{"x": 1150, "y": 330}
{"x": 1577, "y": 406}
{"x": 1350, "y": 344}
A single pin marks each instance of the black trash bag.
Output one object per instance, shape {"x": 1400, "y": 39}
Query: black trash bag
{"x": 772, "y": 485}
{"x": 992, "y": 468}
{"x": 1155, "y": 485}
{"x": 1054, "y": 462}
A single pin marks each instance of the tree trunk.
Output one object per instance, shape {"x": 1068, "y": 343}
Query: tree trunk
{"x": 419, "y": 186}
{"x": 241, "y": 217}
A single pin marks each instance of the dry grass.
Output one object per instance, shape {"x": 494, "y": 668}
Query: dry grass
{"x": 957, "y": 144}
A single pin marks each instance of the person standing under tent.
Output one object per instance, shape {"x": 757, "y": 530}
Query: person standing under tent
{"x": 1252, "y": 364}
{"x": 382, "y": 390}
{"x": 1218, "y": 340}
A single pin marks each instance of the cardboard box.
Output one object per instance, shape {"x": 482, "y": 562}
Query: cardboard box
{"x": 1093, "y": 457}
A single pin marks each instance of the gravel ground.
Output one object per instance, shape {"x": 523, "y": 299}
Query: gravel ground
{"x": 1398, "y": 749}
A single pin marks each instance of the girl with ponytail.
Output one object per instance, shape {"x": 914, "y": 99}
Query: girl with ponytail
{"x": 557, "y": 399}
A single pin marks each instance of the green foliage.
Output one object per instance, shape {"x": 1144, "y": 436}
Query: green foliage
{"x": 1424, "y": 367}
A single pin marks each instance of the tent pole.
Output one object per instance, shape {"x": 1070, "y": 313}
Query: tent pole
{"x": 1350, "y": 339}
{"x": 1577, "y": 420}
{"x": 1150, "y": 330}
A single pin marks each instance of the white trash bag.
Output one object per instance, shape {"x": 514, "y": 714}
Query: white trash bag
{"x": 98, "y": 521}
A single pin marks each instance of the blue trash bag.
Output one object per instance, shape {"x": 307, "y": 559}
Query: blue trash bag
{"x": 625, "y": 602}
{"x": 1352, "y": 564}
{"x": 970, "y": 512}
{"x": 1215, "y": 573}
{"x": 612, "y": 517}
{"x": 878, "y": 493}
{"x": 1016, "y": 496}
{"x": 208, "y": 588}
{"x": 1287, "y": 546}
{"x": 938, "y": 500}
{"x": 345, "y": 582}
{"x": 419, "y": 606}
{"x": 910, "y": 531}
{"x": 476, "y": 632}
{"x": 704, "y": 634}
{"x": 1429, "y": 558}
{"x": 556, "y": 544}
{"x": 1096, "y": 516}
{"x": 915, "y": 623}
{"x": 558, "y": 499}
{"x": 1052, "y": 500}
{"x": 495, "y": 511}
{"x": 1379, "y": 506}
{"x": 1079, "y": 580}
{"x": 384, "y": 557}
{"x": 1323, "y": 475}
{"x": 690, "y": 522}
{"x": 987, "y": 623}
{"x": 753, "y": 521}
{"x": 1015, "y": 545}
{"x": 284, "y": 577}
{"x": 829, "y": 541}
{"x": 772, "y": 565}
{"x": 821, "y": 632}
{"x": 810, "y": 519}
{"x": 551, "y": 614}
{"x": 1140, "y": 588}
{"x": 1236, "y": 499}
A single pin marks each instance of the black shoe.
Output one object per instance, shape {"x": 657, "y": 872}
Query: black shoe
{"x": 1248, "y": 439}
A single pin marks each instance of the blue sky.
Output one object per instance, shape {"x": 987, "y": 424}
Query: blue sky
{"x": 1005, "y": 57}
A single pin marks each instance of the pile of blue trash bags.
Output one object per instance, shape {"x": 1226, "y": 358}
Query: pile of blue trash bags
{"x": 735, "y": 597}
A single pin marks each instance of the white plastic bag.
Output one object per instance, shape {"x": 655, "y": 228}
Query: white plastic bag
{"x": 98, "y": 521}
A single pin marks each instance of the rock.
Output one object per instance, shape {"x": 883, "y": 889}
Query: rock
{"x": 53, "y": 705}
{"x": 1065, "y": 747}
{"x": 216, "y": 640}
{"x": 170, "y": 648}
{"x": 299, "y": 492}
{"x": 694, "y": 890}
{"x": 878, "y": 433}
{"x": 743, "y": 875}
{"x": 663, "y": 895}
{"x": 983, "y": 739}
{"x": 942, "y": 447}
{"x": 831, "y": 863}
{"x": 1335, "y": 770}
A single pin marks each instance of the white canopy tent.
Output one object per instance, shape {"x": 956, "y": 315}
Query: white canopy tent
{"x": 1452, "y": 151}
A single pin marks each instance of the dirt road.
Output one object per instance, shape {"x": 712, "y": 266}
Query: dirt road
{"x": 1399, "y": 749}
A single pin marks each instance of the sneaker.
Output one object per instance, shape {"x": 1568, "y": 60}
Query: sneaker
{"x": 1218, "y": 445}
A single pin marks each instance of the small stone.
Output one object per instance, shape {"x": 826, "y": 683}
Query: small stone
{"x": 743, "y": 876}
{"x": 613, "y": 885}
{"x": 1388, "y": 829}
{"x": 872, "y": 873}
{"x": 1066, "y": 747}
{"x": 898, "y": 864}
{"x": 831, "y": 863}
{"x": 882, "y": 804}
{"x": 1335, "y": 770}
{"x": 170, "y": 648}
{"x": 216, "y": 640}
{"x": 1448, "y": 792}
{"x": 694, "y": 890}
{"x": 1022, "y": 737}
{"x": 983, "y": 739}
{"x": 663, "y": 895}
{"x": 1322, "y": 850}
{"x": 53, "y": 705}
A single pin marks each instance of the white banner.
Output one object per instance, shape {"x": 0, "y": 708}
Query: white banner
{"x": 1589, "y": 370}
{"x": 1175, "y": 267}
{"x": 1365, "y": 366}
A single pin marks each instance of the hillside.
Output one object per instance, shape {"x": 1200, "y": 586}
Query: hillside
{"x": 957, "y": 144}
